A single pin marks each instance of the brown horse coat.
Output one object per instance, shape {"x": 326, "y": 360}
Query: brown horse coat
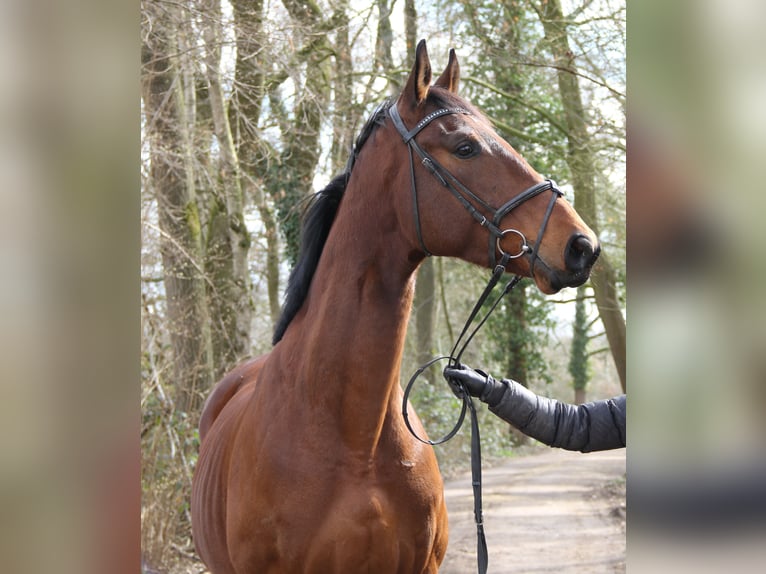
{"x": 305, "y": 464}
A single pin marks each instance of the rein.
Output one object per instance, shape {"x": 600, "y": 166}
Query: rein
{"x": 461, "y": 192}
{"x": 482, "y": 554}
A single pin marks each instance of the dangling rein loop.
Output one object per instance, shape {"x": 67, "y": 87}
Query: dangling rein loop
{"x": 406, "y": 415}
{"x": 454, "y": 359}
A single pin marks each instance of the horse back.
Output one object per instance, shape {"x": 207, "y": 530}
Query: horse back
{"x": 225, "y": 389}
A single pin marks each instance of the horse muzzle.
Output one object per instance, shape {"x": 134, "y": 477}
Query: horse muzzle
{"x": 580, "y": 254}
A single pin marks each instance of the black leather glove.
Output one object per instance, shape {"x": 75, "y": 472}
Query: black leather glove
{"x": 475, "y": 382}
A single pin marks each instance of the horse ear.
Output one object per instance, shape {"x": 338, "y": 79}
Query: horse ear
{"x": 420, "y": 77}
{"x": 450, "y": 78}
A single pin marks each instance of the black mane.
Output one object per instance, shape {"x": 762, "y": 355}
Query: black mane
{"x": 317, "y": 222}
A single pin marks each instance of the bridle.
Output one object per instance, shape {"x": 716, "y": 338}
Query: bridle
{"x": 492, "y": 224}
{"x": 462, "y": 193}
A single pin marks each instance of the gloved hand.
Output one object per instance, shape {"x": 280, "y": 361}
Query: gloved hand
{"x": 475, "y": 382}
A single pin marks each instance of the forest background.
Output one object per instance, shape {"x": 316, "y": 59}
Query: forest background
{"x": 248, "y": 107}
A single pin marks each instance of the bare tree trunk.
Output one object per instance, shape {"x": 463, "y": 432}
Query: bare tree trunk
{"x": 604, "y": 285}
{"x": 165, "y": 107}
{"x": 425, "y": 310}
{"x": 385, "y": 40}
{"x": 244, "y": 113}
{"x": 228, "y": 239}
{"x": 410, "y": 28}
{"x": 516, "y": 365}
{"x": 343, "y": 90}
{"x": 582, "y": 165}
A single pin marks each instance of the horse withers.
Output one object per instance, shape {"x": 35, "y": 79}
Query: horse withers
{"x": 305, "y": 463}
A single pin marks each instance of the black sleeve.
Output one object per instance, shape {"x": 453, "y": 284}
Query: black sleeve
{"x": 598, "y": 425}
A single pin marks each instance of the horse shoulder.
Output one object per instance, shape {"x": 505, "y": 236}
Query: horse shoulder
{"x": 225, "y": 389}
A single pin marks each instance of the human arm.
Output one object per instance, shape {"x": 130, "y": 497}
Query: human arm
{"x": 598, "y": 425}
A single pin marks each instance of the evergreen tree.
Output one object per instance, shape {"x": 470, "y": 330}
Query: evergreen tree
{"x": 579, "y": 365}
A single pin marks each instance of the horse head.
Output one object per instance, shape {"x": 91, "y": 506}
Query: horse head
{"x": 470, "y": 195}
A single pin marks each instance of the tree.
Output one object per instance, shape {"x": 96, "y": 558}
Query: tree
{"x": 582, "y": 164}
{"x": 165, "y": 90}
{"x": 501, "y": 30}
{"x": 344, "y": 115}
{"x": 579, "y": 366}
{"x": 249, "y": 90}
{"x": 228, "y": 239}
{"x": 171, "y": 402}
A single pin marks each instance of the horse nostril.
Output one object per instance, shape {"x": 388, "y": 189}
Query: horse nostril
{"x": 580, "y": 253}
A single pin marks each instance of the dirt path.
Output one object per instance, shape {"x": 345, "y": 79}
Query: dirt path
{"x": 557, "y": 511}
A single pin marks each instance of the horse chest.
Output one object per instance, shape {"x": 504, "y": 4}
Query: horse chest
{"x": 357, "y": 528}
{"x": 325, "y": 512}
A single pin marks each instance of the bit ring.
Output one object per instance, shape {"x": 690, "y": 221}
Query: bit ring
{"x": 524, "y": 245}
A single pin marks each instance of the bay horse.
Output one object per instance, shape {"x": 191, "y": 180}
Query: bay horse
{"x": 305, "y": 463}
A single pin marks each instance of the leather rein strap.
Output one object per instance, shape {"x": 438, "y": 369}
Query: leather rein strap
{"x": 462, "y": 193}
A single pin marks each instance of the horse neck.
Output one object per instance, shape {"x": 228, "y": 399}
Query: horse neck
{"x": 352, "y": 328}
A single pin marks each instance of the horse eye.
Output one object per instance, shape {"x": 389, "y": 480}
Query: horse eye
{"x": 465, "y": 150}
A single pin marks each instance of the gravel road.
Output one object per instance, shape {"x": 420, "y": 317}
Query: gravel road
{"x": 556, "y": 511}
